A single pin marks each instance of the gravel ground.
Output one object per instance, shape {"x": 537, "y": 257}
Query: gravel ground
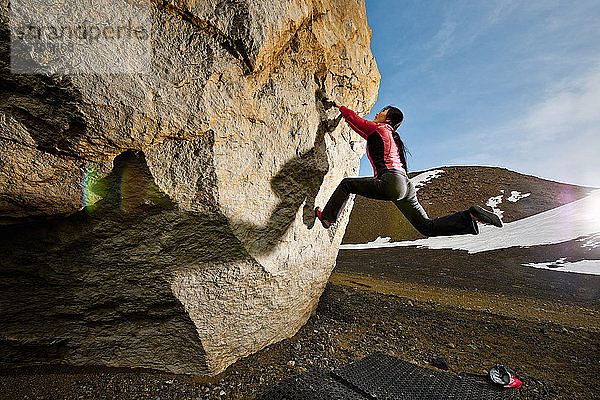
{"x": 352, "y": 321}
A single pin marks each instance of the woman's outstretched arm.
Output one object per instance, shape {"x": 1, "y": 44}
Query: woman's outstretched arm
{"x": 362, "y": 126}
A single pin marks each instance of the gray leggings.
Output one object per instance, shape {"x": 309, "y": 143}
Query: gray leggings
{"x": 395, "y": 186}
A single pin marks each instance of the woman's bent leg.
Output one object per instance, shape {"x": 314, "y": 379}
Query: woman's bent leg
{"x": 459, "y": 223}
{"x": 372, "y": 188}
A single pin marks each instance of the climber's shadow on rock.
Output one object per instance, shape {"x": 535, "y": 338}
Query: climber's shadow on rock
{"x": 297, "y": 182}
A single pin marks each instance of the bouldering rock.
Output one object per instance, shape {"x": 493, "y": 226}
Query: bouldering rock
{"x": 164, "y": 219}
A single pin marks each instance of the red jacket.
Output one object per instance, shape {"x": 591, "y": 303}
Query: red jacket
{"x": 381, "y": 146}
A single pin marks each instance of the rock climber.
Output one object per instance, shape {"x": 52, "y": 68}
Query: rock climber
{"x": 387, "y": 155}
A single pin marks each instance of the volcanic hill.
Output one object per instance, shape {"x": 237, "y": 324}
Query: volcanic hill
{"x": 446, "y": 190}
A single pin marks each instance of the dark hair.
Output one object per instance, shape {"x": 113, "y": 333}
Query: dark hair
{"x": 395, "y": 117}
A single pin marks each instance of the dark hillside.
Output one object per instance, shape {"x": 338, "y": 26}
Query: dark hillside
{"x": 454, "y": 190}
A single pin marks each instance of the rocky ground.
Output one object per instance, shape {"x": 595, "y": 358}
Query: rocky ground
{"x": 551, "y": 341}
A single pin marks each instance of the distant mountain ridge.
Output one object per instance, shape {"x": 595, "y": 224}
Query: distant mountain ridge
{"x": 450, "y": 189}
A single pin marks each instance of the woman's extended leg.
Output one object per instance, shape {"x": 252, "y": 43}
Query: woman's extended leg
{"x": 372, "y": 188}
{"x": 459, "y": 223}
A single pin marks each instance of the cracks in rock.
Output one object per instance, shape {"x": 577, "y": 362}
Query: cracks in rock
{"x": 10, "y": 199}
{"x": 19, "y": 142}
{"x": 39, "y": 130}
{"x": 345, "y": 81}
{"x": 293, "y": 43}
{"x": 187, "y": 81}
{"x": 53, "y": 151}
{"x": 233, "y": 47}
{"x": 255, "y": 120}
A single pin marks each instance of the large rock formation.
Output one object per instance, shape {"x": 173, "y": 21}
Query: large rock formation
{"x": 164, "y": 219}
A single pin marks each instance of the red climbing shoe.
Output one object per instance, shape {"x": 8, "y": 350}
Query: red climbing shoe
{"x": 504, "y": 376}
{"x": 326, "y": 224}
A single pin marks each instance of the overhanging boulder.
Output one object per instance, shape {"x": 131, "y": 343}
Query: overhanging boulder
{"x": 165, "y": 220}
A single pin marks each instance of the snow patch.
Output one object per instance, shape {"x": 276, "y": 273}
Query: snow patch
{"x": 493, "y": 203}
{"x": 582, "y": 267}
{"x": 516, "y": 196}
{"x": 380, "y": 240}
{"x": 592, "y": 241}
{"x": 420, "y": 180}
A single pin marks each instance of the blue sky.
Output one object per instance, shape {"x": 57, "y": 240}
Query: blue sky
{"x": 514, "y": 84}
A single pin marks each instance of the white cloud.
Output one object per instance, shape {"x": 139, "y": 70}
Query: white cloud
{"x": 573, "y": 107}
{"x": 444, "y": 38}
{"x": 464, "y": 24}
{"x": 557, "y": 138}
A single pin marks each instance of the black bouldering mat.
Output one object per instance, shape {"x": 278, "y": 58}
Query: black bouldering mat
{"x": 311, "y": 385}
{"x": 383, "y": 377}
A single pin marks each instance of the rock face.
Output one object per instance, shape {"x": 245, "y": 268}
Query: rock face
{"x": 165, "y": 219}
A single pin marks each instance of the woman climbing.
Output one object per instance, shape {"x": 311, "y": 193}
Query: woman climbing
{"x": 387, "y": 154}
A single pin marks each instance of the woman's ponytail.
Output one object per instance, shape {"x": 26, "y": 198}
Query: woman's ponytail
{"x": 401, "y": 149}
{"x": 395, "y": 116}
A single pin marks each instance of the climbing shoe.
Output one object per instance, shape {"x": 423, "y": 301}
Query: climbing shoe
{"x": 483, "y": 215}
{"x": 504, "y": 376}
{"x": 326, "y": 224}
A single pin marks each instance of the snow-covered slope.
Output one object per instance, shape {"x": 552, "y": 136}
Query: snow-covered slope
{"x": 423, "y": 178}
{"x": 445, "y": 190}
{"x": 578, "y": 219}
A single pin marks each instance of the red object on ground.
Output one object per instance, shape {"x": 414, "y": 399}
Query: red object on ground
{"x": 514, "y": 383}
